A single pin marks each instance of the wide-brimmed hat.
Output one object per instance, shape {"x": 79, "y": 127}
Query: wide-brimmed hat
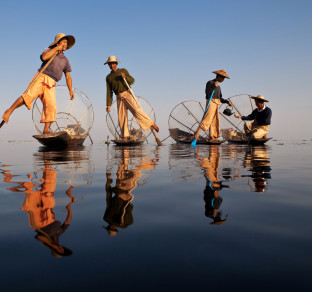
{"x": 260, "y": 98}
{"x": 70, "y": 40}
{"x": 111, "y": 59}
{"x": 222, "y": 73}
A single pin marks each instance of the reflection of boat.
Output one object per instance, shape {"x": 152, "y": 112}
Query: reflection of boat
{"x": 186, "y": 138}
{"x": 60, "y": 139}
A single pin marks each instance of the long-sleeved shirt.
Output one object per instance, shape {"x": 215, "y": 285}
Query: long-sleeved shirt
{"x": 262, "y": 117}
{"x": 210, "y": 87}
{"x": 115, "y": 83}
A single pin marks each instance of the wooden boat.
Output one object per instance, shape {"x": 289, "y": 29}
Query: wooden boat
{"x": 251, "y": 142}
{"x": 60, "y": 139}
{"x": 131, "y": 142}
{"x": 186, "y": 138}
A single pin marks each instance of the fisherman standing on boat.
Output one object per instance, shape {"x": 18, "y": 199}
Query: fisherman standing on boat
{"x": 44, "y": 86}
{"x": 125, "y": 100}
{"x": 214, "y": 98}
{"x": 261, "y": 117}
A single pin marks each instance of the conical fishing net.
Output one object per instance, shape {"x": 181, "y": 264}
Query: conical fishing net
{"x": 184, "y": 120}
{"x": 232, "y": 129}
{"x": 136, "y": 132}
{"x": 75, "y": 116}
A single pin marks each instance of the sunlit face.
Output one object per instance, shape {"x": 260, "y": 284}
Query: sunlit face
{"x": 64, "y": 43}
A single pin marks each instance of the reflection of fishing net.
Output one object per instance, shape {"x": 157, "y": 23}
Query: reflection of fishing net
{"x": 136, "y": 132}
{"x": 75, "y": 116}
{"x": 184, "y": 120}
{"x": 233, "y": 128}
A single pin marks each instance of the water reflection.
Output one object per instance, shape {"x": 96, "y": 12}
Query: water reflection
{"x": 131, "y": 166}
{"x": 256, "y": 166}
{"x": 50, "y": 169}
{"x": 210, "y": 166}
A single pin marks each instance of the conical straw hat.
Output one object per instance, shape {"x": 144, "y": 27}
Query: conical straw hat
{"x": 70, "y": 40}
{"x": 222, "y": 73}
{"x": 259, "y": 97}
{"x": 111, "y": 59}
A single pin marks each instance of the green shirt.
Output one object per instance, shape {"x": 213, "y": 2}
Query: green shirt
{"x": 115, "y": 83}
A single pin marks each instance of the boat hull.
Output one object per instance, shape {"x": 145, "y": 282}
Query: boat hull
{"x": 129, "y": 142}
{"x": 252, "y": 142}
{"x": 60, "y": 139}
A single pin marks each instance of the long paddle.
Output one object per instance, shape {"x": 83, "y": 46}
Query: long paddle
{"x": 195, "y": 140}
{"x": 156, "y": 138}
{"x": 35, "y": 79}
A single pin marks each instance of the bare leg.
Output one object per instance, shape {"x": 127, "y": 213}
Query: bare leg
{"x": 46, "y": 128}
{"x": 155, "y": 127}
{"x": 196, "y": 135}
{"x": 18, "y": 103}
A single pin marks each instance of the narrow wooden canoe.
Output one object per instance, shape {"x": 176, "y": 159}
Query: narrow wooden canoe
{"x": 135, "y": 142}
{"x": 252, "y": 142}
{"x": 186, "y": 138}
{"x": 60, "y": 139}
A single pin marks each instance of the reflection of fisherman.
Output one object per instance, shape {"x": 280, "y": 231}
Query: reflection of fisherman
{"x": 118, "y": 211}
{"x": 212, "y": 198}
{"x": 125, "y": 100}
{"x": 211, "y": 120}
{"x": 259, "y": 162}
{"x": 213, "y": 202}
{"x": 261, "y": 117}
{"x": 39, "y": 206}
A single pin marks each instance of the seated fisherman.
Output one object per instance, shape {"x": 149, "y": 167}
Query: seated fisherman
{"x": 261, "y": 117}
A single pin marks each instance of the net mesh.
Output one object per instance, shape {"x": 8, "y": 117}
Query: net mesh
{"x": 136, "y": 132}
{"x": 75, "y": 116}
{"x": 184, "y": 120}
{"x": 232, "y": 128}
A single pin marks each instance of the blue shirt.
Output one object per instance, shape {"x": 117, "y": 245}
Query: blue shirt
{"x": 56, "y": 68}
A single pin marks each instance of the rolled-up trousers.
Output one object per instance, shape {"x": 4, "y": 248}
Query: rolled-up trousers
{"x": 255, "y": 130}
{"x": 125, "y": 102}
{"x": 211, "y": 120}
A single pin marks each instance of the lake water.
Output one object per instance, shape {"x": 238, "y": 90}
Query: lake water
{"x": 147, "y": 218}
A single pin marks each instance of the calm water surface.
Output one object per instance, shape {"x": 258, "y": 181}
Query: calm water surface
{"x": 147, "y": 218}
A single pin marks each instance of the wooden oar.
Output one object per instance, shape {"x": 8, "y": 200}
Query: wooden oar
{"x": 156, "y": 138}
{"x": 35, "y": 79}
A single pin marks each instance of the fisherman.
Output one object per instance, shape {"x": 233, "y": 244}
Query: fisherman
{"x": 44, "y": 87}
{"x": 261, "y": 117}
{"x": 211, "y": 120}
{"x": 125, "y": 100}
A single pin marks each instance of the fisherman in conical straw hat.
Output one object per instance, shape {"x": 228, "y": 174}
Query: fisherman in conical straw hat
{"x": 125, "y": 100}
{"x": 44, "y": 85}
{"x": 211, "y": 120}
{"x": 261, "y": 117}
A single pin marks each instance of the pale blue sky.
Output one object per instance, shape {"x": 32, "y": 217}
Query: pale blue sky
{"x": 170, "y": 48}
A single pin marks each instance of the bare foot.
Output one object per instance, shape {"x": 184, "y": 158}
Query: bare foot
{"x": 155, "y": 127}
{"x": 6, "y": 115}
{"x": 47, "y": 132}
